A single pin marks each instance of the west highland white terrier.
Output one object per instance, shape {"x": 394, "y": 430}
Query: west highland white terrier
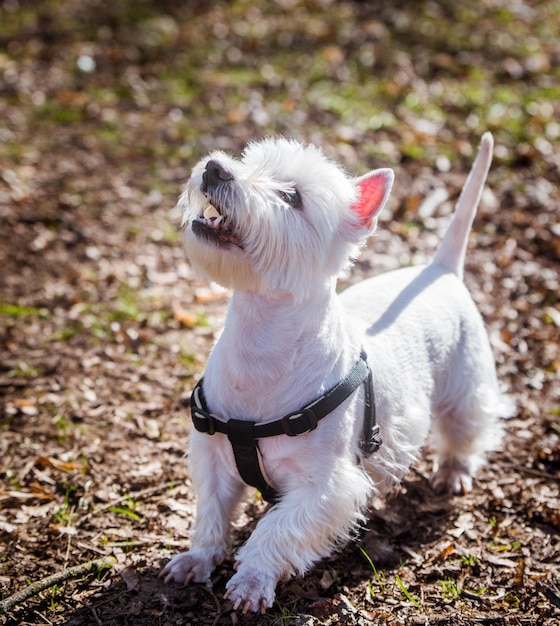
{"x": 303, "y": 384}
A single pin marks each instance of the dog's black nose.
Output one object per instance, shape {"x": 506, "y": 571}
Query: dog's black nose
{"x": 214, "y": 174}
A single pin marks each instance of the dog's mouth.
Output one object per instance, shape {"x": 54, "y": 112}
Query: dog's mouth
{"x": 215, "y": 227}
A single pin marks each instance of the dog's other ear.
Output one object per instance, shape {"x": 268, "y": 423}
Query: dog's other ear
{"x": 373, "y": 190}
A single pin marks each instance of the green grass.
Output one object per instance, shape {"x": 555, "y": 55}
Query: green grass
{"x": 65, "y": 513}
{"x": 126, "y": 512}
{"x": 378, "y": 577}
{"x": 15, "y": 310}
{"x": 450, "y": 589}
{"x": 407, "y": 593}
{"x": 286, "y": 615}
{"x": 24, "y": 371}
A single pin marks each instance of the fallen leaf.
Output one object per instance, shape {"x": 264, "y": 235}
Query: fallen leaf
{"x": 328, "y": 578}
{"x": 130, "y": 577}
{"x": 183, "y": 316}
{"x": 25, "y": 406}
{"x": 519, "y": 576}
{"x": 447, "y": 551}
{"x": 62, "y": 466}
{"x": 500, "y": 562}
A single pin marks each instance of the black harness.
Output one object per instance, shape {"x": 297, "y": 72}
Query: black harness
{"x": 244, "y": 435}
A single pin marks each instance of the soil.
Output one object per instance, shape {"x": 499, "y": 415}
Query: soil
{"x": 104, "y": 328}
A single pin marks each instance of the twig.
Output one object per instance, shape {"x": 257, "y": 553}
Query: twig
{"x": 529, "y": 470}
{"x": 216, "y": 602}
{"x": 94, "y": 613}
{"x": 72, "y": 572}
{"x": 138, "y": 495}
{"x": 13, "y": 382}
{"x": 45, "y": 619}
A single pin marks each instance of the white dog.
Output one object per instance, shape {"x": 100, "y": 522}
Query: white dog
{"x": 288, "y": 400}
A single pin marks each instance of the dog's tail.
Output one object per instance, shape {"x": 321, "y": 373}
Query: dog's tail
{"x": 452, "y": 250}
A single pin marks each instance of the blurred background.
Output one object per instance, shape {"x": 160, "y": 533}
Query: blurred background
{"x": 104, "y": 109}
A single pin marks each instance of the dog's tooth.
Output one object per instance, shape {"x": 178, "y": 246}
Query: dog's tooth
{"x": 218, "y": 220}
{"x": 210, "y": 211}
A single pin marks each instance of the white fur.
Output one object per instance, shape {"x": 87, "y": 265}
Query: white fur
{"x": 288, "y": 338}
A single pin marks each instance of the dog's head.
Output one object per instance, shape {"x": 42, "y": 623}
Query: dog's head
{"x": 281, "y": 220}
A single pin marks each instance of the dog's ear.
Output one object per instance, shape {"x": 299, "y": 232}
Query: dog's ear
{"x": 373, "y": 190}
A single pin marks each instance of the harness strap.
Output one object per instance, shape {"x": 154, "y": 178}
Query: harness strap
{"x": 244, "y": 435}
{"x": 371, "y": 437}
{"x": 248, "y": 457}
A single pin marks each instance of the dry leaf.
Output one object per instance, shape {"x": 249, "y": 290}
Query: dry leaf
{"x": 130, "y": 577}
{"x": 62, "y": 466}
{"x": 183, "y": 316}
{"x": 447, "y": 551}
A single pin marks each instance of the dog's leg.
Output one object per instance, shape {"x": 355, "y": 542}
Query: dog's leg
{"x": 465, "y": 433}
{"x": 302, "y": 528}
{"x": 464, "y": 437}
{"x": 466, "y": 419}
{"x": 218, "y": 492}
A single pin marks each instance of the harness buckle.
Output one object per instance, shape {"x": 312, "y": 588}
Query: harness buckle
{"x": 373, "y": 442}
{"x": 295, "y": 419}
{"x": 211, "y": 424}
{"x": 204, "y": 422}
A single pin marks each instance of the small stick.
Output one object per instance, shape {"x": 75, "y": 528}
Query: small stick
{"x": 216, "y": 602}
{"x": 138, "y": 495}
{"x": 94, "y": 613}
{"x": 72, "y": 572}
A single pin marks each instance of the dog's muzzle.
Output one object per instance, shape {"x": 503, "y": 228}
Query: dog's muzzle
{"x": 213, "y": 224}
{"x": 214, "y": 175}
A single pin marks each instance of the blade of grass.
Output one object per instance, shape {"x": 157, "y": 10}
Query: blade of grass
{"x": 407, "y": 593}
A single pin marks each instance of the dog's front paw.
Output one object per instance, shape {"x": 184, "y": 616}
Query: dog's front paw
{"x": 452, "y": 479}
{"x": 187, "y": 567}
{"x": 251, "y": 590}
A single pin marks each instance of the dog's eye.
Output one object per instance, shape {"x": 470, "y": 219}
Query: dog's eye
{"x": 293, "y": 198}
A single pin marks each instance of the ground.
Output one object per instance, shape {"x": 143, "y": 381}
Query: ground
{"x": 104, "y": 328}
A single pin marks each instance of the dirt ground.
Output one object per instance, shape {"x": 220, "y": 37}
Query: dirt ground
{"x": 104, "y": 328}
